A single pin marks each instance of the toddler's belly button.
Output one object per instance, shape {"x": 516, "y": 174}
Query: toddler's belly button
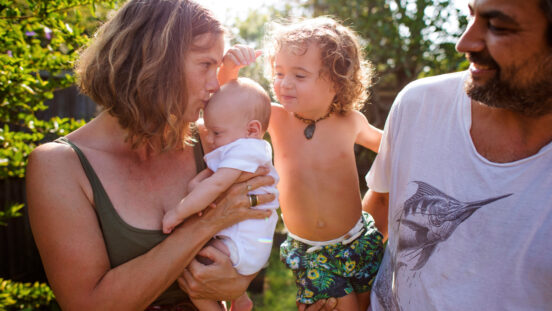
{"x": 320, "y": 223}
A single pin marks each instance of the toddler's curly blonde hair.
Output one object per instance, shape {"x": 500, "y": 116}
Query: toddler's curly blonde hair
{"x": 342, "y": 58}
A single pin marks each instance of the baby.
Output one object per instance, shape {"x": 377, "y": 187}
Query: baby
{"x": 320, "y": 80}
{"x": 236, "y": 119}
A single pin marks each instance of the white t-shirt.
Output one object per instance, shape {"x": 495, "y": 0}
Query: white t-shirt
{"x": 249, "y": 241}
{"x": 464, "y": 233}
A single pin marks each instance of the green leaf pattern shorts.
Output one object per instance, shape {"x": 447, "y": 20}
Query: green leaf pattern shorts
{"x": 334, "y": 270}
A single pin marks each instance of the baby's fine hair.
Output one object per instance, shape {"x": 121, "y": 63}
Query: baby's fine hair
{"x": 343, "y": 61}
{"x": 256, "y": 105}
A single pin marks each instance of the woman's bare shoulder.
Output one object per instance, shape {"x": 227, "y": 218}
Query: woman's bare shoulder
{"x": 51, "y": 155}
{"x": 54, "y": 167}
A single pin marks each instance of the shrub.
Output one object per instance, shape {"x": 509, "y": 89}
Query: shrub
{"x": 26, "y": 296}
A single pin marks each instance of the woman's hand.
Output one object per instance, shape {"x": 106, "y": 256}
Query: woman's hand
{"x": 216, "y": 281}
{"x": 219, "y": 280}
{"x": 234, "y": 206}
{"x": 236, "y": 58}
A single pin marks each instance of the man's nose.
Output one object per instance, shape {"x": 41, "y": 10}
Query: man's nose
{"x": 473, "y": 38}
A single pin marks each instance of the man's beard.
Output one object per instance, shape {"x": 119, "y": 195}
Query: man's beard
{"x": 532, "y": 98}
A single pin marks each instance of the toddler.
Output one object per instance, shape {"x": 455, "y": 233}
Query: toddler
{"x": 320, "y": 80}
{"x": 236, "y": 119}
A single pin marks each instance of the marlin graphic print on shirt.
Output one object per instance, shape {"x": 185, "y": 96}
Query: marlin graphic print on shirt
{"x": 429, "y": 217}
{"x": 432, "y": 216}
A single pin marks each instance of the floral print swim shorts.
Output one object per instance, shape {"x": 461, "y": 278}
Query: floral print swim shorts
{"x": 334, "y": 270}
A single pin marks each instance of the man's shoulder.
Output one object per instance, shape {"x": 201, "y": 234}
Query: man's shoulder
{"x": 445, "y": 82}
{"x": 438, "y": 90}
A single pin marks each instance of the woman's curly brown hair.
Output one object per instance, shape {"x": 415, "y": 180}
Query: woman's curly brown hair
{"x": 134, "y": 67}
{"x": 342, "y": 57}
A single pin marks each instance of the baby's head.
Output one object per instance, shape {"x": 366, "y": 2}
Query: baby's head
{"x": 342, "y": 60}
{"x": 240, "y": 109}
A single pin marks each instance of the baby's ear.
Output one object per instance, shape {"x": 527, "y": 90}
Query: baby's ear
{"x": 254, "y": 129}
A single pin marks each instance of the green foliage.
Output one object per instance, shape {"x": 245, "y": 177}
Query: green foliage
{"x": 39, "y": 42}
{"x": 280, "y": 290}
{"x": 26, "y": 296}
{"x": 10, "y": 211}
{"x": 405, "y": 39}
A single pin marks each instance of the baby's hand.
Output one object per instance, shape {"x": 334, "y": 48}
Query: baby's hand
{"x": 170, "y": 221}
{"x": 236, "y": 58}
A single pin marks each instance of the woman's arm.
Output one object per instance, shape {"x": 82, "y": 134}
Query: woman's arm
{"x": 73, "y": 251}
{"x": 216, "y": 281}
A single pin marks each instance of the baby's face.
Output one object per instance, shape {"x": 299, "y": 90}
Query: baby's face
{"x": 223, "y": 123}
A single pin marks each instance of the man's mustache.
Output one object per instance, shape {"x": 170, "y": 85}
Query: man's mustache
{"x": 482, "y": 59}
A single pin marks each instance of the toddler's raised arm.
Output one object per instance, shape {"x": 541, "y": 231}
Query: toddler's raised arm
{"x": 236, "y": 58}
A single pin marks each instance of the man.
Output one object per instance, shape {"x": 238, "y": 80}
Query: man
{"x": 465, "y": 167}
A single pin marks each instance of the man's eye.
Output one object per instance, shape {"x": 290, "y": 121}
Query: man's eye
{"x": 299, "y": 76}
{"x": 496, "y": 29}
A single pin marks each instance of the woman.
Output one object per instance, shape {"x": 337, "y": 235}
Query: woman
{"x": 96, "y": 198}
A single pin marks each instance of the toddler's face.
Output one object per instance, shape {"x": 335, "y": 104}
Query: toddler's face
{"x": 298, "y": 83}
{"x": 223, "y": 123}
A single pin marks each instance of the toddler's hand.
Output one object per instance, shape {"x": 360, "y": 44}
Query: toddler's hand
{"x": 235, "y": 58}
{"x": 240, "y": 56}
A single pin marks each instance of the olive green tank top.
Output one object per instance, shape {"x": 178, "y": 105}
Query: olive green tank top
{"x": 123, "y": 241}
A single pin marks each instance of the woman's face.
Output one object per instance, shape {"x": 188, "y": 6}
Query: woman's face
{"x": 201, "y": 64}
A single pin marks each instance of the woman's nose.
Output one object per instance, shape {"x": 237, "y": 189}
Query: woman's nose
{"x": 212, "y": 85}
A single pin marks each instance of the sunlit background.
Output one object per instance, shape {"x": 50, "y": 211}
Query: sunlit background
{"x": 227, "y": 10}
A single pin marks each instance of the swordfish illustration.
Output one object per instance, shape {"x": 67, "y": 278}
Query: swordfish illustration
{"x": 432, "y": 216}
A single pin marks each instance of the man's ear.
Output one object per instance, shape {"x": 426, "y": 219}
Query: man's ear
{"x": 254, "y": 129}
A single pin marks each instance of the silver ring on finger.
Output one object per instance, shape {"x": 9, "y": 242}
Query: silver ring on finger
{"x": 253, "y": 200}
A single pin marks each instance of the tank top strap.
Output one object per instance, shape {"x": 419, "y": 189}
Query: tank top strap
{"x": 100, "y": 195}
{"x": 198, "y": 154}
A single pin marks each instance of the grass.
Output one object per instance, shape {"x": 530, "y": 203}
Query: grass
{"x": 279, "y": 287}
{"x": 277, "y": 290}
